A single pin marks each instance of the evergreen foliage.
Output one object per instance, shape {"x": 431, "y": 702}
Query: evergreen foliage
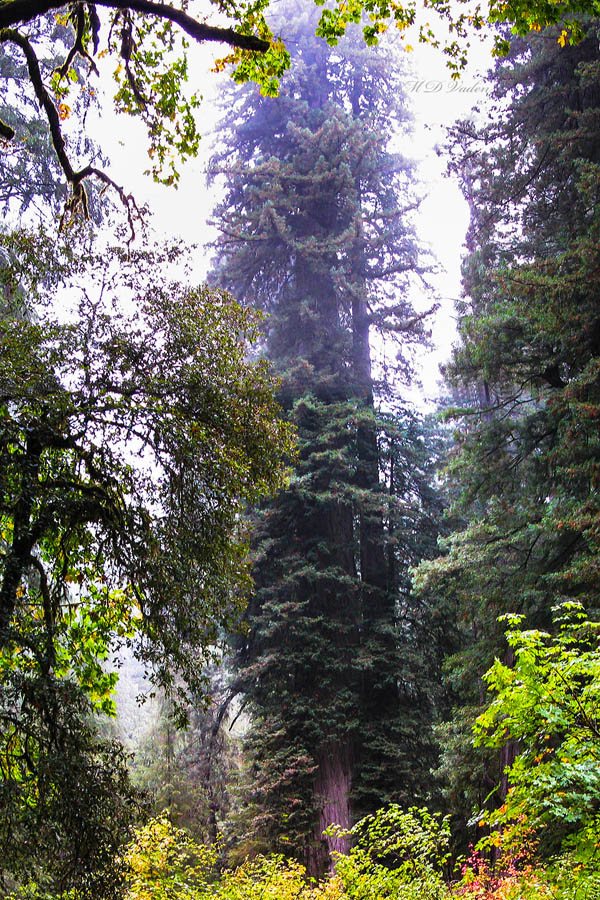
{"x": 190, "y": 773}
{"x": 527, "y": 455}
{"x": 317, "y": 230}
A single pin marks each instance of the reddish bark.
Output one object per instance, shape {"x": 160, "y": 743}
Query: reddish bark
{"x": 333, "y": 782}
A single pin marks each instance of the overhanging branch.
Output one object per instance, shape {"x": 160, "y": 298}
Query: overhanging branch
{"x": 13, "y": 12}
{"x": 78, "y": 201}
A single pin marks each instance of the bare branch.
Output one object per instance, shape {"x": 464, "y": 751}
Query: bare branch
{"x": 133, "y": 212}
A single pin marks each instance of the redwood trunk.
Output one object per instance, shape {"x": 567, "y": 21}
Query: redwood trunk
{"x": 333, "y": 783}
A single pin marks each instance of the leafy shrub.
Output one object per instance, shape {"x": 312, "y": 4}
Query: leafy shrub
{"x": 397, "y": 854}
{"x": 548, "y": 702}
{"x": 165, "y": 863}
{"x": 508, "y": 878}
{"x": 276, "y": 878}
{"x": 33, "y": 891}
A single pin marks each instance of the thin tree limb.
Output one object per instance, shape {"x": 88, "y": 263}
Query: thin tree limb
{"x": 78, "y": 201}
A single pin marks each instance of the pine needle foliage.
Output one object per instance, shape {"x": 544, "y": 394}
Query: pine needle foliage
{"x": 527, "y": 461}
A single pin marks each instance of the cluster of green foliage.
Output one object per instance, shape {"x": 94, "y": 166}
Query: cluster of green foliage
{"x": 545, "y": 836}
{"x": 396, "y": 853}
{"x": 547, "y": 701}
{"x": 131, "y": 439}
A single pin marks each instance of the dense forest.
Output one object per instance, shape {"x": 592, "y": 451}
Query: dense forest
{"x": 270, "y": 627}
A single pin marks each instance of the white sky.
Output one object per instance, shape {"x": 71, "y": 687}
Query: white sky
{"x": 436, "y": 100}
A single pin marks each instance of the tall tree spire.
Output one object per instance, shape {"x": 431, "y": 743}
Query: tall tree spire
{"x": 317, "y": 230}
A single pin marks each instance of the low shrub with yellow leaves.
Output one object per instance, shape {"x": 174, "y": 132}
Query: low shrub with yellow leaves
{"x": 276, "y": 878}
{"x": 165, "y": 863}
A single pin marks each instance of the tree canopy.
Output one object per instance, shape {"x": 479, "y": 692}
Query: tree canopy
{"x": 130, "y": 443}
{"x": 132, "y": 435}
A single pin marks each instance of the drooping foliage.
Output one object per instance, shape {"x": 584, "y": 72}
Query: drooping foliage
{"x": 316, "y": 229}
{"x": 528, "y": 453}
{"x": 169, "y": 386}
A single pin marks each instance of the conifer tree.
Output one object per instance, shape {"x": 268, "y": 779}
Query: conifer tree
{"x": 316, "y": 229}
{"x": 527, "y": 466}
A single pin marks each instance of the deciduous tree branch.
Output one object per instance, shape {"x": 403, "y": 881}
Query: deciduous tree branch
{"x": 78, "y": 200}
{"x": 13, "y": 12}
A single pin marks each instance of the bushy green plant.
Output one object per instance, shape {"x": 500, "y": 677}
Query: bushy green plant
{"x": 165, "y": 863}
{"x": 276, "y": 878}
{"x": 33, "y": 891}
{"x": 548, "y": 703}
{"x": 399, "y": 854}
{"x": 575, "y": 874}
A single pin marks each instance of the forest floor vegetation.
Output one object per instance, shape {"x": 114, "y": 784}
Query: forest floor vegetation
{"x": 397, "y": 855}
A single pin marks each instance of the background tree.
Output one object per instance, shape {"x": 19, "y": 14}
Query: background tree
{"x": 191, "y": 773}
{"x": 316, "y": 229}
{"x": 527, "y": 461}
